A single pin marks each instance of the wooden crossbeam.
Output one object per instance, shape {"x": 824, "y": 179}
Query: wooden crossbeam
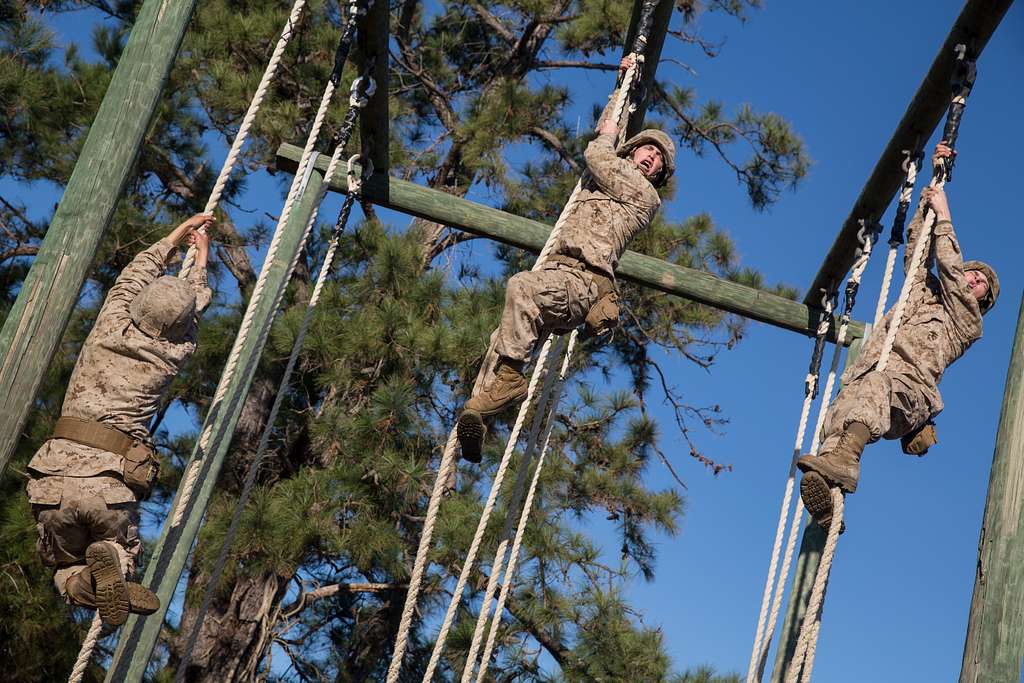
{"x": 975, "y": 25}
{"x": 695, "y": 285}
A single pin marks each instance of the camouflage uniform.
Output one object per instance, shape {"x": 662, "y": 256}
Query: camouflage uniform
{"x": 941, "y": 320}
{"x": 77, "y": 492}
{"x": 615, "y": 203}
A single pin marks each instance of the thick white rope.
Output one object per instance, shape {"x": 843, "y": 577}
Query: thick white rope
{"x": 354, "y": 187}
{"x": 85, "y": 654}
{"x": 414, "y": 583}
{"x": 810, "y": 382}
{"x": 497, "y": 564}
{"x": 524, "y": 517}
{"x": 812, "y": 617}
{"x": 192, "y": 476}
{"x": 243, "y": 129}
{"x": 911, "y": 167}
{"x": 762, "y": 644}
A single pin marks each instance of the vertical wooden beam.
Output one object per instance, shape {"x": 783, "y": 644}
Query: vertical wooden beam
{"x": 374, "y": 129}
{"x": 806, "y": 568}
{"x": 655, "y": 42}
{"x": 139, "y": 636}
{"x": 36, "y": 323}
{"x": 995, "y": 628}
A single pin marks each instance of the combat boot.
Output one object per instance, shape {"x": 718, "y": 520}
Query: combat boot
{"x": 838, "y": 468}
{"x": 79, "y": 589}
{"x": 508, "y": 386}
{"x": 110, "y": 590}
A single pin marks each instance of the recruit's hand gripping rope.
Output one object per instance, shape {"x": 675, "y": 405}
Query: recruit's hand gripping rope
{"x": 243, "y": 129}
{"x": 963, "y": 80}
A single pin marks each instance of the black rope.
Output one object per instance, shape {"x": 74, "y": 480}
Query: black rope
{"x": 964, "y": 73}
{"x": 812, "y": 386}
{"x": 341, "y": 139}
{"x": 355, "y": 10}
{"x": 899, "y": 221}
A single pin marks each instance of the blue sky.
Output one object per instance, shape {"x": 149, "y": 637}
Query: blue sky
{"x": 842, "y": 73}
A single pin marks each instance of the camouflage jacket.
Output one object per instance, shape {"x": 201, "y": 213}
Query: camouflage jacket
{"x": 121, "y": 373}
{"x": 942, "y": 318}
{"x": 614, "y": 204}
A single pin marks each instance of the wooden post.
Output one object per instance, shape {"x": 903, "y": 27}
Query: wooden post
{"x": 35, "y": 325}
{"x": 139, "y": 636}
{"x": 373, "y": 122}
{"x": 812, "y": 542}
{"x": 995, "y": 628}
{"x": 696, "y": 285}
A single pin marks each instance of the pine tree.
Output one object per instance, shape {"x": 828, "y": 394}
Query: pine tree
{"x": 327, "y": 539}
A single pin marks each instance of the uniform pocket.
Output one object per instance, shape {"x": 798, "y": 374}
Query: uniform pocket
{"x": 45, "y": 490}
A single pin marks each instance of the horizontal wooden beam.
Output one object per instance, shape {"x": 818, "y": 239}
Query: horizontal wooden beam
{"x": 975, "y": 25}
{"x": 695, "y": 285}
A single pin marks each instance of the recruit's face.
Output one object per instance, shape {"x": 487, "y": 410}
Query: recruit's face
{"x": 649, "y": 160}
{"x": 978, "y": 283}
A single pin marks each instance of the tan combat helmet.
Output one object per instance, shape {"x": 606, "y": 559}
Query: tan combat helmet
{"x": 166, "y": 308}
{"x": 659, "y": 139}
{"x": 993, "y": 283}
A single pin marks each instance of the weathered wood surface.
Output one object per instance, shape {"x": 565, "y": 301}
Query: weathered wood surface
{"x": 373, "y": 48}
{"x": 696, "y": 285}
{"x": 975, "y": 25}
{"x": 163, "y": 569}
{"x": 35, "y": 325}
{"x": 995, "y": 628}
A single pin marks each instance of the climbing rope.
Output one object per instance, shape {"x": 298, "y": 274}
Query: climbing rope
{"x": 911, "y": 165}
{"x": 243, "y": 129}
{"x": 963, "y": 81}
{"x": 297, "y": 186}
{"x": 444, "y": 468}
{"x": 513, "y": 559}
{"x": 354, "y": 190}
{"x": 762, "y": 639}
{"x": 539, "y": 422}
{"x": 85, "y": 654}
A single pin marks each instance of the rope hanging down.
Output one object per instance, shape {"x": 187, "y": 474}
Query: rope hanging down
{"x": 761, "y": 638}
{"x": 963, "y": 80}
{"x": 356, "y": 103}
{"x": 247, "y": 120}
{"x": 447, "y": 458}
{"x": 911, "y": 165}
{"x": 297, "y": 186}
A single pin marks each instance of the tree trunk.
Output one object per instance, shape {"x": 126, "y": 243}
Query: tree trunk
{"x": 235, "y": 633}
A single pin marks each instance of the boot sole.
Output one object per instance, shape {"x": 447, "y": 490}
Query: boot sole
{"x": 111, "y": 589}
{"x": 141, "y": 600}
{"x": 817, "y": 497}
{"x": 470, "y": 430}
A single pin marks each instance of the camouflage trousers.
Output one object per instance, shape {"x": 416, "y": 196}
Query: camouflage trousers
{"x": 73, "y": 512}
{"x": 554, "y": 299}
{"x": 888, "y": 405}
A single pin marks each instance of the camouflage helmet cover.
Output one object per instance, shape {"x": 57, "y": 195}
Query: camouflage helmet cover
{"x": 165, "y": 308}
{"x": 993, "y": 283}
{"x": 659, "y": 139}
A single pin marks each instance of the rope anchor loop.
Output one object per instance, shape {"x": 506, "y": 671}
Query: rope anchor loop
{"x": 355, "y": 180}
{"x": 370, "y": 87}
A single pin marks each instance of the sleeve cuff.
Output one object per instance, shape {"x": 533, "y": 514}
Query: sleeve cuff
{"x": 943, "y": 228}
